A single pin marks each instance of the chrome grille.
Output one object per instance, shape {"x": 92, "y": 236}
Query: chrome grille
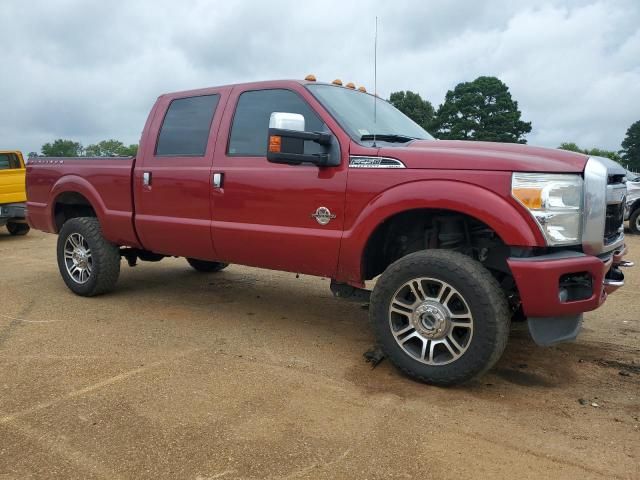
{"x": 614, "y": 214}
{"x": 605, "y": 192}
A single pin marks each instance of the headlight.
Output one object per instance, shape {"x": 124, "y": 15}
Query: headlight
{"x": 555, "y": 201}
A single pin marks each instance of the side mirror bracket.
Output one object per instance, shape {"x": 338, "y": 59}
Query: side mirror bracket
{"x": 287, "y": 146}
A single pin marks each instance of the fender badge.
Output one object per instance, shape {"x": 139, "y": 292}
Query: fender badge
{"x": 323, "y": 215}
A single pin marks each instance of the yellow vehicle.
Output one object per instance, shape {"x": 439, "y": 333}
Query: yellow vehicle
{"x": 12, "y": 192}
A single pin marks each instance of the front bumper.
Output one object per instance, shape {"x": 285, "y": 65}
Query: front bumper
{"x": 568, "y": 282}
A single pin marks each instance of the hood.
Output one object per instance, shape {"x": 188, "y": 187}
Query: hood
{"x": 467, "y": 155}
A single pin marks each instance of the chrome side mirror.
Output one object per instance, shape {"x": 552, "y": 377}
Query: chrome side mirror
{"x": 287, "y": 121}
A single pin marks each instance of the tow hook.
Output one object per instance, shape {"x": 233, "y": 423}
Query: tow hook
{"x": 614, "y": 279}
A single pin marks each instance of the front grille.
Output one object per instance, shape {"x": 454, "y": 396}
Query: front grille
{"x": 613, "y": 222}
{"x": 616, "y": 178}
{"x": 614, "y": 214}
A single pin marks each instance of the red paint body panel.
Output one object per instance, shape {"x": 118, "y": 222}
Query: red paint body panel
{"x": 261, "y": 216}
{"x": 105, "y": 183}
{"x": 371, "y": 199}
{"x": 173, "y": 214}
{"x": 538, "y": 284}
{"x": 510, "y": 157}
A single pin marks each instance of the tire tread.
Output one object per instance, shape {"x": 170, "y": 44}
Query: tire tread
{"x": 464, "y": 268}
{"x": 106, "y": 256}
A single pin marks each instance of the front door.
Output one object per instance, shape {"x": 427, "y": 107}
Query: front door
{"x": 172, "y": 181}
{"x": 269, "y": 215}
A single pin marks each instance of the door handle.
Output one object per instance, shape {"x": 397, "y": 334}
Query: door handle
{"x": 217, "y": 180}
{"x": 146, "y": 179}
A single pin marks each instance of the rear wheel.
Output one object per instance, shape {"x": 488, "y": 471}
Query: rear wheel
{"x": 18, "y": 229}
{"x": 634, "y": 221}
{"x": 206, "y": 267}
{"x": 88, "y": 263}
{"x": 440, "y": 316}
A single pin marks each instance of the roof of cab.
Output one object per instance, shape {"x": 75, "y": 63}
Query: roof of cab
{"x": 248, "y": 86}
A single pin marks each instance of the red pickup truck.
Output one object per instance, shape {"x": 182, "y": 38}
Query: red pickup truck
{"x": 300, "y": 176}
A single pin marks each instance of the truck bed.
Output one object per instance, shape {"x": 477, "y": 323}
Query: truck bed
{"x": 105, "y": 182}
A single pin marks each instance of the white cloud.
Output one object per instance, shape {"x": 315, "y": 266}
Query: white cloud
{"x": 91, "y": 70}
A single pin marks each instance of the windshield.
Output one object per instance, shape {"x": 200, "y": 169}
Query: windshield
{"x": 354, "y": 112}
{"x": 632, "y": 177}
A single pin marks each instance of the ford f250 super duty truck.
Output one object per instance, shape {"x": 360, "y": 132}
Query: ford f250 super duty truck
{"x": 12, "y": 192}
{"x": 461, "y": 237}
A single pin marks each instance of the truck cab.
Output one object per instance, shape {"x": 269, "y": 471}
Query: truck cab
{"x": 12, "y": 192}
{"x": 451, "y": 240}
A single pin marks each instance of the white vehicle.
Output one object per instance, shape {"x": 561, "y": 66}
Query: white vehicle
{"x": 632, "y": 210}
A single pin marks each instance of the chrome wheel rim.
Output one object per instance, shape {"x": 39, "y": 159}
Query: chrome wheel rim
{"x": 431, "y": 321}
{"x": 77, "y": 258}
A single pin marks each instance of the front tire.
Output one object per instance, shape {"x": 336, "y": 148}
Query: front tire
{"x": 18, "y": 229}
{"x": 440, "y": 317}
{"x": 204, "y": 266}
{"x": 88, "y": 263}
{"x": 634, "y": 221}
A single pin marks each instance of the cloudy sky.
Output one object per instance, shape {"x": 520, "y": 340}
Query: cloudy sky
{"x": 90, "y": 70}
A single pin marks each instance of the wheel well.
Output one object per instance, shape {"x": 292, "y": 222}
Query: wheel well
{"x": 634, "y": 206}
{"x": 71, "y": 205}
{"x": 421, "y": 229}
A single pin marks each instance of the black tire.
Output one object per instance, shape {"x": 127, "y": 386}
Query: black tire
{"x": 105, "y": 257}
{"x": 486, "y": 303}
{"x": 204, "y": 266}
{"x": 634, "y": 221}
{"x": 18, "y": 229}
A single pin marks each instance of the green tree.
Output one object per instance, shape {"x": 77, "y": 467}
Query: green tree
{"x": 130, "y": 151}
{"x": 62, "y": 148}
{"x": 413, "y": 106}
{"x": 631, "y": 147}
{"x": 596, "y": 152}
{"x": 110, "y": 148}
{"x": 481, "y": 110}
{"x": 572, "y": 147}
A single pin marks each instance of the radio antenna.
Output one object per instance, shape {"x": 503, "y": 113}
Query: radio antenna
{"x": 375, "y": 82}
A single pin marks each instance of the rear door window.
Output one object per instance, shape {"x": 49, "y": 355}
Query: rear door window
{"x": 185, "y": 129}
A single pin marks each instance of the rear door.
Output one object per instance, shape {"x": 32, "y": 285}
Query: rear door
{"x": 172, "y": 181}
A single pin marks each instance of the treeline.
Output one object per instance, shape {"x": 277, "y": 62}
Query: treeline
{"x": 69, "y": 148}
{"x": 483, "y": 110}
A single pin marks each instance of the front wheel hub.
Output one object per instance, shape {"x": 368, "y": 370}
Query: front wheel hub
{"x": 431, "y": 319}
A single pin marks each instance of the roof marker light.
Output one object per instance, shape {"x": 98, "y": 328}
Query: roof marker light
{"x": 310, "y": 78}
{"x": 350, "y": 85}
{"x": 337, "y": 81}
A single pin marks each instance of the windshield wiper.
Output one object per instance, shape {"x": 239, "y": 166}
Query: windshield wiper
{"x": 388, "y": 137}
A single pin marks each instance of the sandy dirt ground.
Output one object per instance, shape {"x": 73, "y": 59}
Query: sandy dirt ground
{"x": 252, "y": 374}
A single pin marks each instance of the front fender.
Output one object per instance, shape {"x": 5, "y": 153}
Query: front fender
{"x": 512, "y": 224}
